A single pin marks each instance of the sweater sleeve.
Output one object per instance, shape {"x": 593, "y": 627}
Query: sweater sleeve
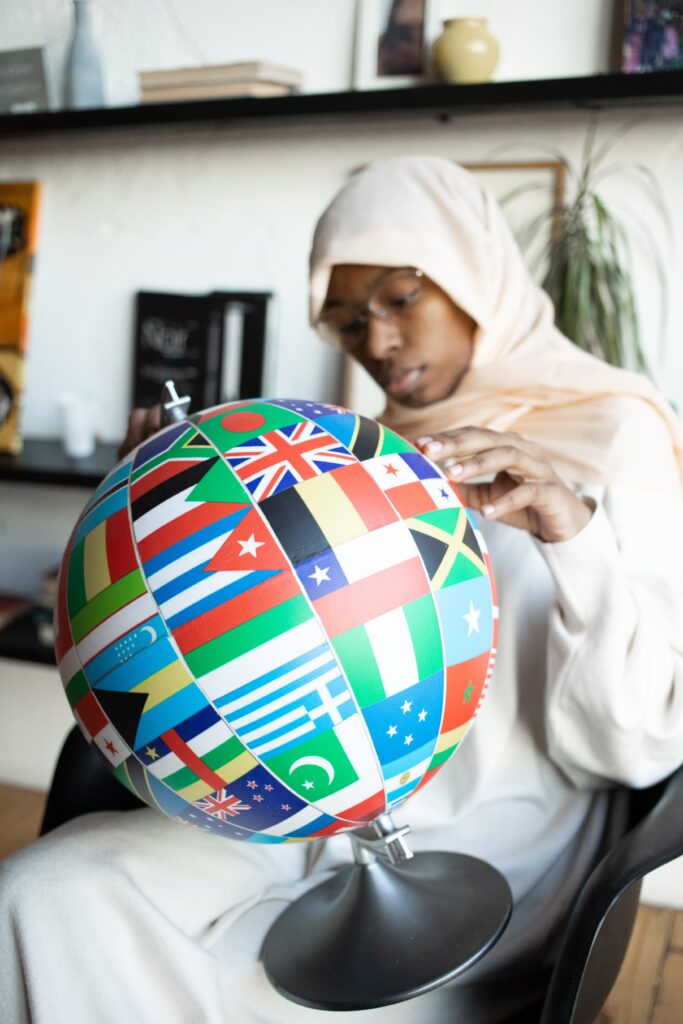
{"x": 614, "y": 701}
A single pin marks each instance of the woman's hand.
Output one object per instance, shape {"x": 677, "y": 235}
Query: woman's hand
{"x": 525, "y": 490}
{"x": 142, "y": 423}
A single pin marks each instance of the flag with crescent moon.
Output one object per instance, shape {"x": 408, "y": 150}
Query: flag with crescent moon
{"x": 275, "y": 620}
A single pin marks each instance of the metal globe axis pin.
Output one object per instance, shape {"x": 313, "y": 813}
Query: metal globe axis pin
{"x": 390, "y": 926}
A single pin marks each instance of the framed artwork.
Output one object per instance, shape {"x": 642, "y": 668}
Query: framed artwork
{"x": 392, "y": 42}
{"x": 535, "y": 186}
{"x": 651, "y": 36}
{"x": 18, "y": 238}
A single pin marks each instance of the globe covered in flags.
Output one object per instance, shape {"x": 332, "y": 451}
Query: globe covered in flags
{"x": 275, "y": 620}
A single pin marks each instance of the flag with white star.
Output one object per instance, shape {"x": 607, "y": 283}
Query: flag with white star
{"x": 405, "y": 727}
{"x": 275, "y": 619}
{"x": 466, "y": 613}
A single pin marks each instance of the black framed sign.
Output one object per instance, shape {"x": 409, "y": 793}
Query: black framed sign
{"x": 212, "y": 346}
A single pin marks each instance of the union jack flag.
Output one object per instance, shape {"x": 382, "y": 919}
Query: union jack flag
{"x": 222, "y": 805}
{"x": 284, "y": 457}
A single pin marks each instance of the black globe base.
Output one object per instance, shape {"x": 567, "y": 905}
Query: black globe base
{"x": 378, "y": 932}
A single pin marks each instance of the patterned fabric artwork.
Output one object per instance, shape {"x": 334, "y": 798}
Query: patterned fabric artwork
{"x": 275, "y": 620}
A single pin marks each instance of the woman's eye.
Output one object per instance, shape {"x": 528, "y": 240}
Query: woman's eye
{"x": 406, "y": 299}
{"x": 354, "y": 329}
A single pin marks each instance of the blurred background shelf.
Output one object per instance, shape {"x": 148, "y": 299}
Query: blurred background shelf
{"x": 43, "y": 461}
{"x": 443, "y": 101}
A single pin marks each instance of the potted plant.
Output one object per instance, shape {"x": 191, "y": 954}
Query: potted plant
{"x": 584, "y": 257}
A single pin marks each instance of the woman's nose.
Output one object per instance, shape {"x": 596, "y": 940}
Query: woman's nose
{"x": 383, "y": 338}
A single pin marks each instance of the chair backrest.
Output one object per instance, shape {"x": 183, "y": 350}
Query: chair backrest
{"x": 600, "y": 925}
{"x": 82, "y": 783}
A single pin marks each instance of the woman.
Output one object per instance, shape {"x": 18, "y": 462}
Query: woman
{"x": 414, "y": 272}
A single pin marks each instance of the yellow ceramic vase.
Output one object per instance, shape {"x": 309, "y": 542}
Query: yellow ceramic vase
{"x": 465, "y": 52}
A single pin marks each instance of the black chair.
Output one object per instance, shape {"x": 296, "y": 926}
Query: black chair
{"x": 648, "y": 833}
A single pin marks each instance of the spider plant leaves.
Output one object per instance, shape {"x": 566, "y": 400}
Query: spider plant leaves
{"x": 583, "y": 251}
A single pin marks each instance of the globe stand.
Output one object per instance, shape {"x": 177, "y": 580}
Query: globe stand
{"x": 388, "y": 927}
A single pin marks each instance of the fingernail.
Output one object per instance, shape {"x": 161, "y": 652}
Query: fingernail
{"x": 456, "y": 470}
{"x": 488, "y": 510}
{"x": 421, "y": 441}
{"x": 433, "y": 447}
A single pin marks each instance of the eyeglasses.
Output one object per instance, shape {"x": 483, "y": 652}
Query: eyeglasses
{"x": 392, "y": 298}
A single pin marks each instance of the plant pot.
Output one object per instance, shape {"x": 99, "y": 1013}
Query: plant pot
{"x": 465, "y": 52}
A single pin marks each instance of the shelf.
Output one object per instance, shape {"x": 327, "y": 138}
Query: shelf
{"x": 43, "y": 461}
{"x": 434, "y": 100}
{"x": 19, "y": 640}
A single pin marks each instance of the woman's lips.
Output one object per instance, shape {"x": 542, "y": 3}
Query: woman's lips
{"x": 402, "y": 382}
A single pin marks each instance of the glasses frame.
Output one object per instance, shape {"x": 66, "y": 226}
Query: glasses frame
{"x": 364, "y": 310}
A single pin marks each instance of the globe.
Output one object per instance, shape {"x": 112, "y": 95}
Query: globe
{"x": 276, "y": 620}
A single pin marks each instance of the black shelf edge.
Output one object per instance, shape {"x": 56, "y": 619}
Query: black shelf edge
{"x": 43, "y": 461}
{"x": 437, "y": 100}
{"x": 19, "y": 641}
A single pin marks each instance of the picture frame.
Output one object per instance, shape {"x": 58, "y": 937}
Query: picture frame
{"x": 650, "y": 36}
{"x": 19, "y": 211}
{"x": 393, "y": 41}
{"x": 540, "y": 184}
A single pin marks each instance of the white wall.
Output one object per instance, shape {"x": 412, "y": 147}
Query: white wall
{"x": 235, "y": 207}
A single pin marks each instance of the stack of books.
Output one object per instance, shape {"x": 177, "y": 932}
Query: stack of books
{"x": 248, "y": 78}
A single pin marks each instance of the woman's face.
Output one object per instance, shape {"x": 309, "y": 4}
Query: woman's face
{"x": 420, "y": 352}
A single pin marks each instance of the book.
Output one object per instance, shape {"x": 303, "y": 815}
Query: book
{"x": 242, "y": 71}
{"x": 214, "y": 92}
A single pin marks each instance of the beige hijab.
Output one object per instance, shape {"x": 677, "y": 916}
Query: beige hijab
{"x": 594, "y": 422}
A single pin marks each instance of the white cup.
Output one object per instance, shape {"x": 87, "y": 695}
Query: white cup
{"x": 78, "y": 424}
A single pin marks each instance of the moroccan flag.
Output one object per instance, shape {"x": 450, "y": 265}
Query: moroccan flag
{"x": 464, "y": 685}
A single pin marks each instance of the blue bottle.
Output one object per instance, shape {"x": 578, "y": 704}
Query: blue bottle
{"x": 83, "y": 76}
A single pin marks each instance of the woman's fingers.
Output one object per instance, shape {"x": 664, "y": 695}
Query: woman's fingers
{"x": 522, "y": 488}
{"x": 468, "y": 441}
{"x": 142, "y": 423}
{"x": 471, "y": 452}
{"x": 506, "y": 458}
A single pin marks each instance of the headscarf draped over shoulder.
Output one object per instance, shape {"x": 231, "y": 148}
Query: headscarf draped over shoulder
{"x": 596, "y": 423}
